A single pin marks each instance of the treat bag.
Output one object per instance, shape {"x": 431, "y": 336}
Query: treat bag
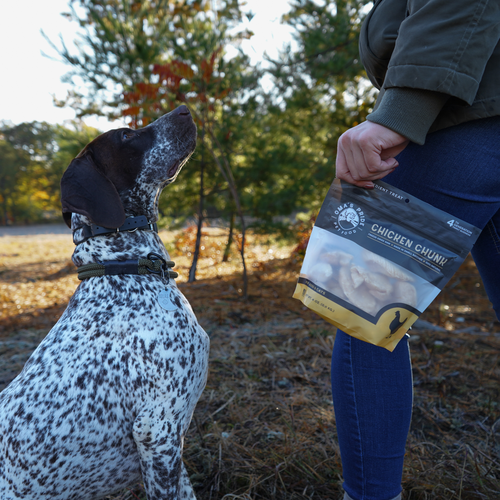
{"x": 377, "y": 258}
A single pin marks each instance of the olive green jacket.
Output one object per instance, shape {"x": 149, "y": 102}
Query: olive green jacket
{"x": 436, "y": 62}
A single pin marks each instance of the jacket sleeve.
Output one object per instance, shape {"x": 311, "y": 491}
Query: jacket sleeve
{"x": 410, "y": 112}
{"x": 444, "y": 45}
{"x": 440, "y": 50}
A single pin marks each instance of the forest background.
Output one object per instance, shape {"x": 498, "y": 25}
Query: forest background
{"x": 267, "y": 137}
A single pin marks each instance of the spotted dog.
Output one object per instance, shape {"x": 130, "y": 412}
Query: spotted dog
{"x": 107, "y": 397}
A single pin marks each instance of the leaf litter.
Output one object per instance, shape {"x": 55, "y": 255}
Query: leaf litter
{"x": 264, "y": 427}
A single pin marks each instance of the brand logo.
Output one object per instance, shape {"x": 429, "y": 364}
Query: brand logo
{"x": 348, "y": 218}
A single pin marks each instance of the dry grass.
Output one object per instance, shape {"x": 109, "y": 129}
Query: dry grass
{"x": 264, "y": 427}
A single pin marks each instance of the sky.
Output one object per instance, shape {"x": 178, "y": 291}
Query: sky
{"x": 28, "y": 79}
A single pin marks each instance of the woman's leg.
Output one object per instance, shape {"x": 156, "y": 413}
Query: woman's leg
{"x": 486, "y": 254}
{"x": 458, "y": 171}
{"x": 372, "y": 397}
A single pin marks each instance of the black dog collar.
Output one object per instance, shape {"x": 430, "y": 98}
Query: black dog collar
{"x": 131, "y": 224}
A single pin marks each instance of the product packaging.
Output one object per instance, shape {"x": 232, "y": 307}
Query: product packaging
{"x": 377, "y": 258}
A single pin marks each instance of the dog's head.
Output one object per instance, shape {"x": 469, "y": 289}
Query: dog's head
{"x": 124, "y": 165}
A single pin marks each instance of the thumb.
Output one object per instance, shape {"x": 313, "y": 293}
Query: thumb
{"x": 389, "y": 163}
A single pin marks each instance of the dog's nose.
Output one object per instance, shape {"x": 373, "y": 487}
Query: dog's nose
{"x": 182, "y": 110}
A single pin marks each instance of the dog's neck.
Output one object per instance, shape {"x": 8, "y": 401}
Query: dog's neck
{"x": 116, "y": 246}
{"x": 142, "y": 199}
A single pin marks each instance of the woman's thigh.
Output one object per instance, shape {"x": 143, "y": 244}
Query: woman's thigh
{"x": 456, "y": 170}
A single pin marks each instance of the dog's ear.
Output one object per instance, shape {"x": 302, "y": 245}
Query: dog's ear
{"x": 86, "y": 191}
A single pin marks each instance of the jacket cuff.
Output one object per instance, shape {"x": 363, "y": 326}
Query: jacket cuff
{"x": 409, "y": 112}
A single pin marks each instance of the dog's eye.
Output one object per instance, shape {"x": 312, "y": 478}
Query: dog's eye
{"x": 127, "y": 135}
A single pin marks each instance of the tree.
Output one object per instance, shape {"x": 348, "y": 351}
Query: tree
{"x": 9, "y": 174}
{"x": 259, "y": 154}
{"x": 33, "y": 146}
{"x": 319, "y": 92}
{"x": 118, "y": 44}
{"x": 134, "y": 65}
{"x": 205, "y": 80}
{"x": 328, "y": 37}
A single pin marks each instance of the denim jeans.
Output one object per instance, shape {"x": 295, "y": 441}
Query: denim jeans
{"x": 458, "y": 171}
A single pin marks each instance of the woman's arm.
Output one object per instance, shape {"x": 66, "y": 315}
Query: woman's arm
{"x": 441, "y": 51}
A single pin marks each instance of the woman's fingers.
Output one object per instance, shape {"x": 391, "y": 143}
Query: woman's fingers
{"x": 366, "y": 153}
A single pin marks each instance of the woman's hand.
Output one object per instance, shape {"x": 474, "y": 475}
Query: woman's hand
{"x": 366, "y": 153}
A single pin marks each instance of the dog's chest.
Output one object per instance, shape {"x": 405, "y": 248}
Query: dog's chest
{"x": 115, "y": 342}
{"x": 120, "y": 319}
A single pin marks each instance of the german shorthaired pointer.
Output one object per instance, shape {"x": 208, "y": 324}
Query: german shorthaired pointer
{"x": 107, "y": 397}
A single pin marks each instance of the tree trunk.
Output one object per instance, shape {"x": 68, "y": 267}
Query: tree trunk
{"x": 242, "y": 252}
{"x": 225, "y": 257}
{"x": 225, "y": 169}
{"x": 196, "y": 254}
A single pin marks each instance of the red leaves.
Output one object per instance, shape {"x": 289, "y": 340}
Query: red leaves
{"x": 207, "y": 66}
{"x": 223, "y": 94}
{"x": 132, "y": 110}
{"x": 143, "y": 91}
{"x": 183, "y": 8}
{"x": 147, "y": 90}
{"x": 171, "y": 74}
{"x": 175, "y": 79}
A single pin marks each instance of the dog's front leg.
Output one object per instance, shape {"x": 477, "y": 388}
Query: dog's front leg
{"x": 159, "y": 436}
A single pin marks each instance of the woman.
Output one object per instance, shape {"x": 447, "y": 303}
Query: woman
{"x": 437, "y": 64}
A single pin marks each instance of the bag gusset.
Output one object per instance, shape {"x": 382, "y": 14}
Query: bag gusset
{"x": 376, "y": 260}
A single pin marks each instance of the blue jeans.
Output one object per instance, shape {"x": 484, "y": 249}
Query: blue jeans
{"x": 458, "y": 171}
